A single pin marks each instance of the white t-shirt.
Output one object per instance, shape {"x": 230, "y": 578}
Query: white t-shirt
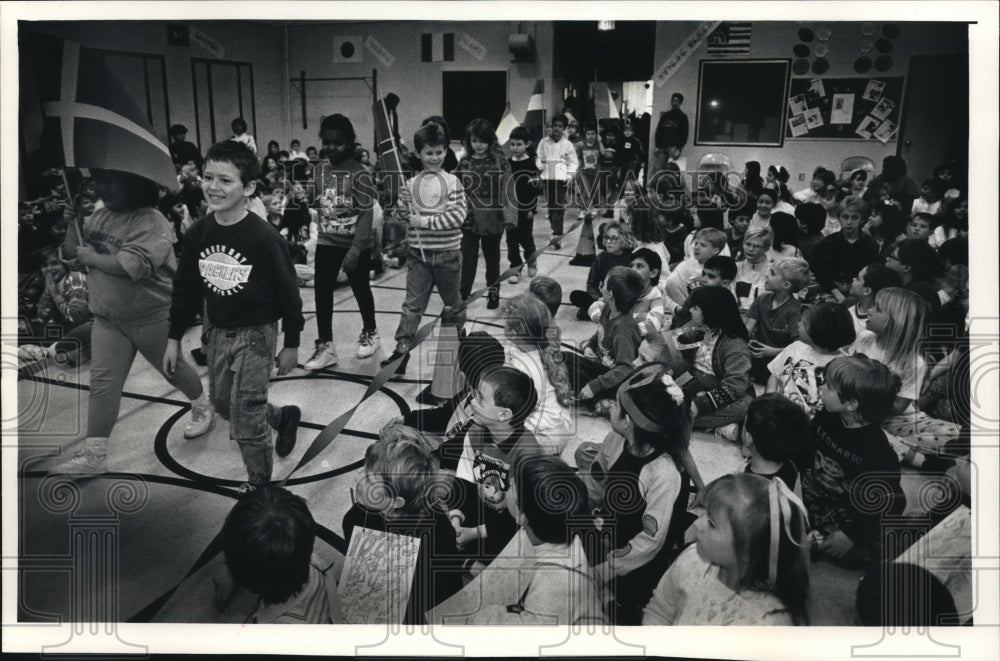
{"x": 799, "y": 369}
{"x": 550, "y": 418}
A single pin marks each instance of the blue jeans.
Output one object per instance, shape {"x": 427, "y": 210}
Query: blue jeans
{"x": 239, "y": 371}
{"x": 442, "y": 268}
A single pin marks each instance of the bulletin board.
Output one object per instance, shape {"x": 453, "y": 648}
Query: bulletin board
{"x": 844, "y": 108}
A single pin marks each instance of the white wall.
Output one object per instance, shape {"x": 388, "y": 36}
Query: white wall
{"x": 416, "y": 83}
{"x": 257, "y": 43}
{"x": 776, "y": 40}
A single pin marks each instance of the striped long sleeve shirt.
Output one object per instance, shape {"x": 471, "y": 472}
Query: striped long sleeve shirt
{"x": 438, "y": 200}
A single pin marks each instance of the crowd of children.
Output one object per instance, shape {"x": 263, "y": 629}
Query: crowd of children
{"x": 795, "y": 325}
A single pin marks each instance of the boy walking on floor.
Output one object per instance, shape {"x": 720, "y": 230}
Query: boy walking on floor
{"x": 432, "y": 204}
{"x": 557, "y": 163}
{"x": 236, "y": 263}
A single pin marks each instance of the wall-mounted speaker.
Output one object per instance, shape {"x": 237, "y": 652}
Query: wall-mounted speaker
{"x": 522, "y": 47}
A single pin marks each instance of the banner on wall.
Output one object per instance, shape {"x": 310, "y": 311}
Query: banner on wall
{"x": 683, "y": 52}
{"x": 473, "y": 47}
{"x": 347, "y": 50}
{"x": 206, "y": 42}
{"x": 379, "y": 51}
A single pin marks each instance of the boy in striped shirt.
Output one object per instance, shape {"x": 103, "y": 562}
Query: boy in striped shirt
{"x": 432, "y": 204}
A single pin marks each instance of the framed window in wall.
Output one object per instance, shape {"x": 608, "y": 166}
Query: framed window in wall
{"x": 469, "y": 95}
{"x": 144, "y": 76}
{"x": 223, "y": 91}
{"x": 742, "y": 102}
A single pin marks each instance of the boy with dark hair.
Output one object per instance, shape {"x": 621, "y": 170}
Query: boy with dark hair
{"x": 869, "y": 281}
{"x": 433, "y": 205}
{"x": 235, "y": 263}
{"x": 821, "y": 180}
{"x": 851, "y": 455}
{"x": 557, "y": 163}
{"x": 811, "y": 218}
{"x": 524, "y": 180}
{"x": 505, "y": 397}
{"x": 648, "y": 310}
{"x": 268, "y": 542}
{"x": 548, "y": 291}
{"x": 182, "y": 151}
{"x": 671, "y": 133}
{"x": 775, "y": 431}
{"x": 240, "y": 135}
{"x": 612, "y": 350}
{"x": 739, "y": 220}
{"x": 717, "y": 271}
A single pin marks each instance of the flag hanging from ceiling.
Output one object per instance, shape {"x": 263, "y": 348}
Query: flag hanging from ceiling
{"x": 534, "y": 118}
{"x": 507, "y": 124}
{"x": 437, "y": 47}
{"x": 387, "y": 151}
{"x": 730, "y": 39}
{"x": 90, "y": 118}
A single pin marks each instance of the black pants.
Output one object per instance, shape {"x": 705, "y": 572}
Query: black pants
{"x": 329, "y": 259}
{"x": 555, "y": 202}
{"x": 470, "y": 260}
{"x": 521, "y": 237}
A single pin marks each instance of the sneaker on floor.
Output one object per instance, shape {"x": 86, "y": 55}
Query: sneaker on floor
{"x": 532, "y": 271}
{"x": 603, "y": 407}
{"x": 514, "y": 279}
{"x": 492, "y": 300}
{"x": 368, "y": 344}
{"x": 401, "y": 368}
{"x": 556, "y": 241}
{"x": 288, "y": 430}
{"x": 325, "y": 355}
{"x": 730, "y": 432}
{"x": 201, "y": 421}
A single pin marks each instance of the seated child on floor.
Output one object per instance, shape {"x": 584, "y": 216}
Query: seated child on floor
{"x": 548, "y": 291}
{"x": 773, "y": 318}
{"x": 402, "y": 491}
{"x": 851, "y": 456}
{"x": 638, "y": 488}
{"x": 736, "y": 574}
{"x": 546, "y": 497}
{"x": 717, "y": 271}
{"x": 477, "y": 352}
{"x": 775, "y": 432}
{"x": 613, "y": 349}
{"x": 824, "y": 331}
{"x": 504, "y": 399}
{"x": 618, "y": 251}
{"x": 268, "y": 541}
{"x": 648, "y": 310}
{"x": 708, "y": 242}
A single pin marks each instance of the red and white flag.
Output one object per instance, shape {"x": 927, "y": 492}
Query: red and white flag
{"x": 90, "y": 116}
{"x": 534, "y": 118}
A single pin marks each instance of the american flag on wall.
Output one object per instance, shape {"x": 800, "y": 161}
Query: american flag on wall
{"x": 730, "y": 39}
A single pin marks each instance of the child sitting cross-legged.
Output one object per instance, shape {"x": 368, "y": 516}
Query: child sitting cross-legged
{"x": 707, "y": 243}
{"x": 648, "y": 310}
{"x": 556, "y": 586}
{"x": 268, "y": 545}
{"x": 748, "y": 566}
{"x": 613, "y": 349}
{"x": 824, "y": 331}
{"x": 617, "y": 252}
{"x": 852, "y": 456}
{"x": 505, "y": 397}
{"x": 638, "y": 487}
{"x": 775, "y": 432}
{"x": 402, "y": 491}
{"x": 773, "y": 318}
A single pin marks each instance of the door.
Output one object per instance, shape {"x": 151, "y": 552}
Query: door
{"x": 469, "y": 95}
{"x": 223, "y": 91}
{"x": 935, "y": 127}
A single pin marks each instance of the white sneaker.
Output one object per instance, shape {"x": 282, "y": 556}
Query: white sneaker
{"x": 200, "y": 422}
{"x": 514, "y": 279}
{"x": 29, "y": 353}
{"x": 368, "y": 344}
{"x": 324, "y": 356}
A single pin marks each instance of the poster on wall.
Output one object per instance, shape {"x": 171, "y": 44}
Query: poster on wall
{"x": 814, "y": 118}
{"x": 797, "y": 124}
{"x": 867, "y": 127}
{"x": 797, "y": 104}
{"x": 874, "y": 90}
{"x": 886, "y": 131}
{"x": 843, "y": 109}
{"x": 883, "y": 109}
{"x": 816, "y": 91}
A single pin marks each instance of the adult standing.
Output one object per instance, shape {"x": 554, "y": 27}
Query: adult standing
{"x": 671, "y": 133}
